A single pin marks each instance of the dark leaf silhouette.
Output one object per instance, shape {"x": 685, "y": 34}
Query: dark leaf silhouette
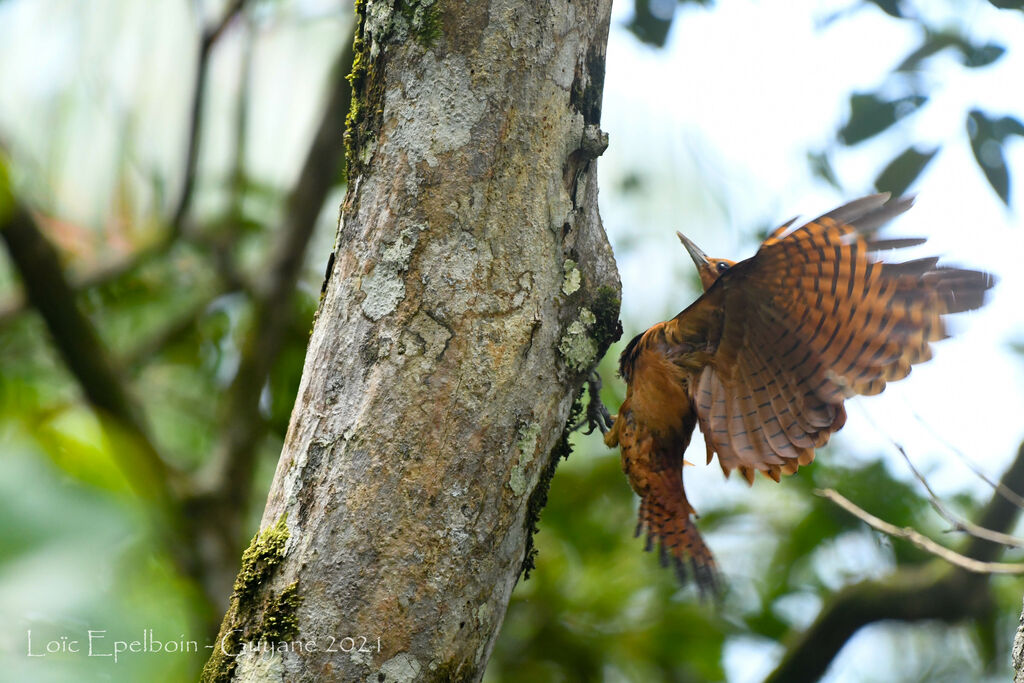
{"x": 902, "y": 171}
{"x": 870, "y": 115}
{"x": 821, "y": 166}
{"x": 890, "y": 7}
{"x": 981, "y": 55}
{"x": 652, "y": 19}
{"x": 1006, "y": 126}
{"x": 987, "y": 137}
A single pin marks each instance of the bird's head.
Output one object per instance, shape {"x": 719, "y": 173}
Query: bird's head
{"x": 708, "y": 268}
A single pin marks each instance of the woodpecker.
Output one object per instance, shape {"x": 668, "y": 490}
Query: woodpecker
{"x": 763, "y": 361}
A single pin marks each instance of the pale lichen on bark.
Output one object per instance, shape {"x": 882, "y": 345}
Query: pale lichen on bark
{"x": 571, "y": 283}
{"x": 578, "y": 346}
{"x": 527, "y": 446}
{"x": 384, "y": 286}
{"x": 472, "y": 290}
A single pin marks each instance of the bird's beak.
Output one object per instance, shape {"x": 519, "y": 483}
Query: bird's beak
{"x": 700, "y": 259}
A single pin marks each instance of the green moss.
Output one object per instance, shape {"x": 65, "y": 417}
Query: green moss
{"x": 424, "y": 18}
{"x": 221, "y": 665}
{"x": 280, "y": 623}
{"x": 454, "y": 671}
{"x": 607, "y": 328}
{"x": 259, "y": 559}
{"x": 418, "y": 19}
{"x": 358, "y": 78}
{"x": 586, "y": 338}
{"x": 278, "y": 620}
{"x": 539, "y": 497}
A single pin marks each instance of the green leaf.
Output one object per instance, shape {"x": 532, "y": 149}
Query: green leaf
{"x": 980, "y": 124}
{"x": 932, "y": 45}
{"x": 902, "y": 171}
{"x": 76, "y": 443}
{"x": 651, "y": 20}
{"x": 1006, "y": 126}
{"x": 890, "y": 7}
{"x": 975, "y": 56}
{"x": 822, "y": 168}
{"x": 971, "y": 55}
{"x": 870, "y": 115}
{"x": 990, "y": 157}
{"x": 987, "y": 147}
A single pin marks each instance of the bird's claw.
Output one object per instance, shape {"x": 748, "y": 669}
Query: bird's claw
{"x": 597, "y": 415}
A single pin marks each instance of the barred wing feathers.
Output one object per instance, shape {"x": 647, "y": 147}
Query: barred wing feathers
{"x": 811, "y": 319}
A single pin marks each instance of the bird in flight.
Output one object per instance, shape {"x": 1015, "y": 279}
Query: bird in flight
{"x": 764, "y": 359}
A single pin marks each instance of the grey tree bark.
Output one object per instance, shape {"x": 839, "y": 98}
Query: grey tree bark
{"x": 1017, "y": 652}
{"x": 471, "y": 291}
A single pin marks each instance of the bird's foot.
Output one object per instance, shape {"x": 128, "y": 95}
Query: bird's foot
{"x": 597, "y": 416}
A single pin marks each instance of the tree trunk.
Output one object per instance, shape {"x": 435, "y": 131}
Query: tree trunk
{"x": 1017, "y": 652}
{"x": 471, "y": 291}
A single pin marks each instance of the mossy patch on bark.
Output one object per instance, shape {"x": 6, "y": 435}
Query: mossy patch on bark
{"x": 539, "y": 497}
{"x": 248, "y": 620}
{"x": 263, "y": 554}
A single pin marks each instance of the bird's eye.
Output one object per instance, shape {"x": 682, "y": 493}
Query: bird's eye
{"x": 722, "y": 266}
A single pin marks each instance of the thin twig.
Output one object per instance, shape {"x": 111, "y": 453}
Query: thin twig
{"x": 1006, "y": 493}
{"x": 930, "y": 591}
{"x": 206, "y": 43}
{"x": 919, "y": 539}
{"x": 959, "y": 523}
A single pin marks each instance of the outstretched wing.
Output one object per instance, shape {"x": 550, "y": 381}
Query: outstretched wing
{"x": 811, "y": 319}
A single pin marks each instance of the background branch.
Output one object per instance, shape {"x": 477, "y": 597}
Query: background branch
{"x": 959, "y": 524}
{"x": 1012, "y": 496}
{"x": 100, "y": 274}
{"x": 932, "y": 591}
{"x": 206, "y": 43}
{"x": 264, "y": 340}
{"x": 243, "y": 427}
{"x": 83, "y": 352}
{"x": 91, "y": 365}
{"x": 922, "y": 541}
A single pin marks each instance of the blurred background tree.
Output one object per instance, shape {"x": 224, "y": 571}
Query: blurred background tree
{"x": 171, "y": 177}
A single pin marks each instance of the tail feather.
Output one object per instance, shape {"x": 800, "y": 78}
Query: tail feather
{"x": 669, "y": 522}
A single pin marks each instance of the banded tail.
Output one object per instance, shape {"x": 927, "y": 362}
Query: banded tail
{"x": 667, "y": 518}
